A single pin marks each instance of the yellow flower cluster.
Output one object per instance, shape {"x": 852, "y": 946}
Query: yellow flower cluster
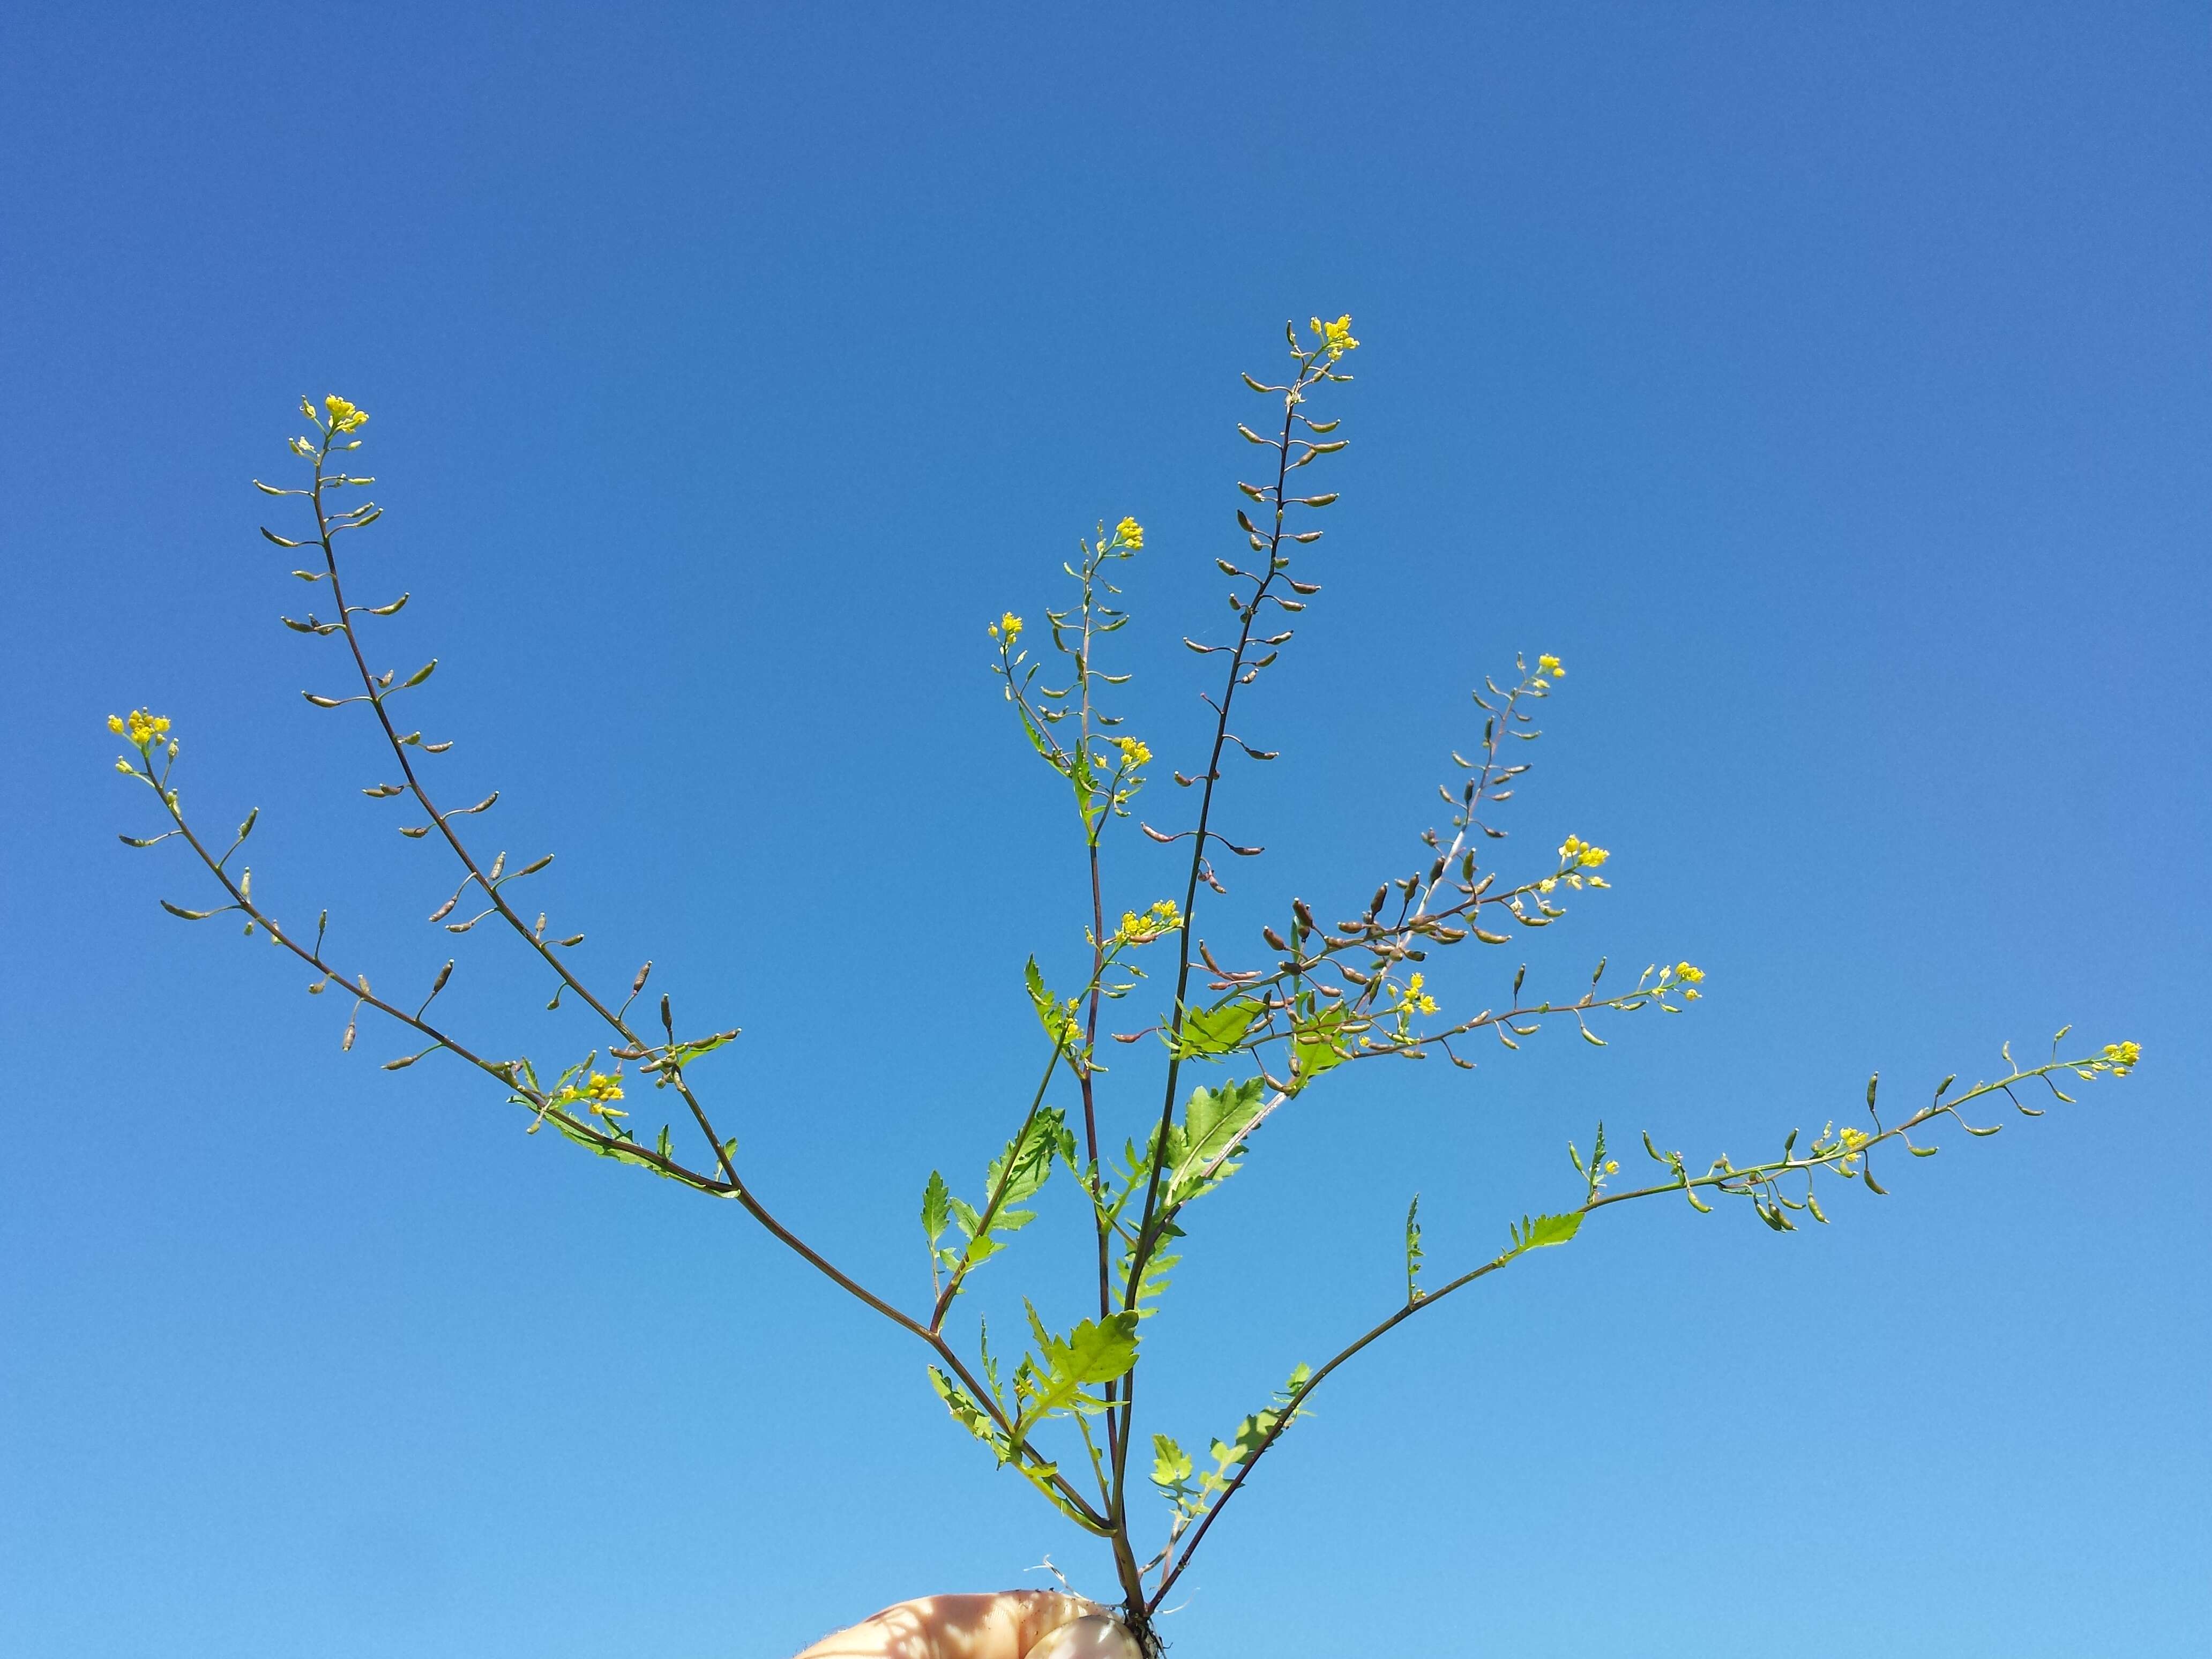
{"x": 1579, "y": 854}
{"x": 1007, "y": 629}
{"x": 1415, "y": 1000}
{"x": 1847, "y": 1140}
{"x": 1336, "y": 336}
{"x": 1549, "y": 667}
{"x": 1130, "y": 533}
{"x": 345, "y": 417}
{"x": 1142, "y": 928}
{"x": 143, "y": 729}
{"x": 598, "y": 1093}
{"x": 1135, "y": 754}
{"x": 1690, "y": 977}
{"x": 2122, "y": 1057}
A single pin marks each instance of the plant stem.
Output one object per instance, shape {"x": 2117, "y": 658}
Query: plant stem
{"x": 1749, "y": 1181}
{"x": 1141, "y": 1251}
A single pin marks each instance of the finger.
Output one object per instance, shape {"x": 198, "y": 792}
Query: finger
{"x": 1094, "y": 1636}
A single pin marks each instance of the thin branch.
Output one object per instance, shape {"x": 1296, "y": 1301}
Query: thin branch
{"x": 1840, "y": 1158}
{"x": 1142, "y": 1252}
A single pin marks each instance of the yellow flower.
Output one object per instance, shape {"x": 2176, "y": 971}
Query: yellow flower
{"x": 598, "y": 1093}
{"x": 1613, "y": 1166}
{"x": 345, "y": 417}
{"x": 141, "y": 727}
{"x": 2122, "y": 1057}
{"x": 1132, "y": 533}
{"x": 1547, "y": 667}
{"x": 1133, "y": 752}
{"x": 1007, "y": 629}
{"x": 1688, "y": 973}
{"x": 1413, "y": 999}
{"x": 1336, "y": 336}
{"x": 1577, "y": 852}
{"x": 1851, "y": 1139}
{"x": 1142, "y": 928}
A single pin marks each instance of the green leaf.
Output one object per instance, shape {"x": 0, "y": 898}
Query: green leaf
{"x": 1545, "y": 1229}
{"x": 612, "y": 1147}
{"x": 1413, "y": 1251}
{"x": 1314, "y": 1045}
{"x": 969, "y": 1415}
{"x": 973, "y": 1418}
{"x": 1210, "y": 1033}
{"x": 1171, "y": 1465}
{"x": 691, "y": 1047}
{"x": 1256, "y": 1431}
{"x": 1024, "y": 1166}
{"x": 1058, "y": 1023}
{"x": 1157, "y": 1269}
{"x": 936, "y": 1208}
{"x": 1029, "y": 1159}
{"x": 1097, "y": 1351}
{"x": 1213, "y": 1122}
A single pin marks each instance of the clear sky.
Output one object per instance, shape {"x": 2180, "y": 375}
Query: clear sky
{"x": 1827, "y": 386}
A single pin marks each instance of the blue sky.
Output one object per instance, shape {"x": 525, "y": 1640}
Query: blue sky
{"x": 1829, "y": 390}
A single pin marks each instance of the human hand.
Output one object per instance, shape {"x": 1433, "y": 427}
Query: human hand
{"x": 1006, "y": 1625}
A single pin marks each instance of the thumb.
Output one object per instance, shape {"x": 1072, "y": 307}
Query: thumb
{"x": 1094, "y": 1636}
